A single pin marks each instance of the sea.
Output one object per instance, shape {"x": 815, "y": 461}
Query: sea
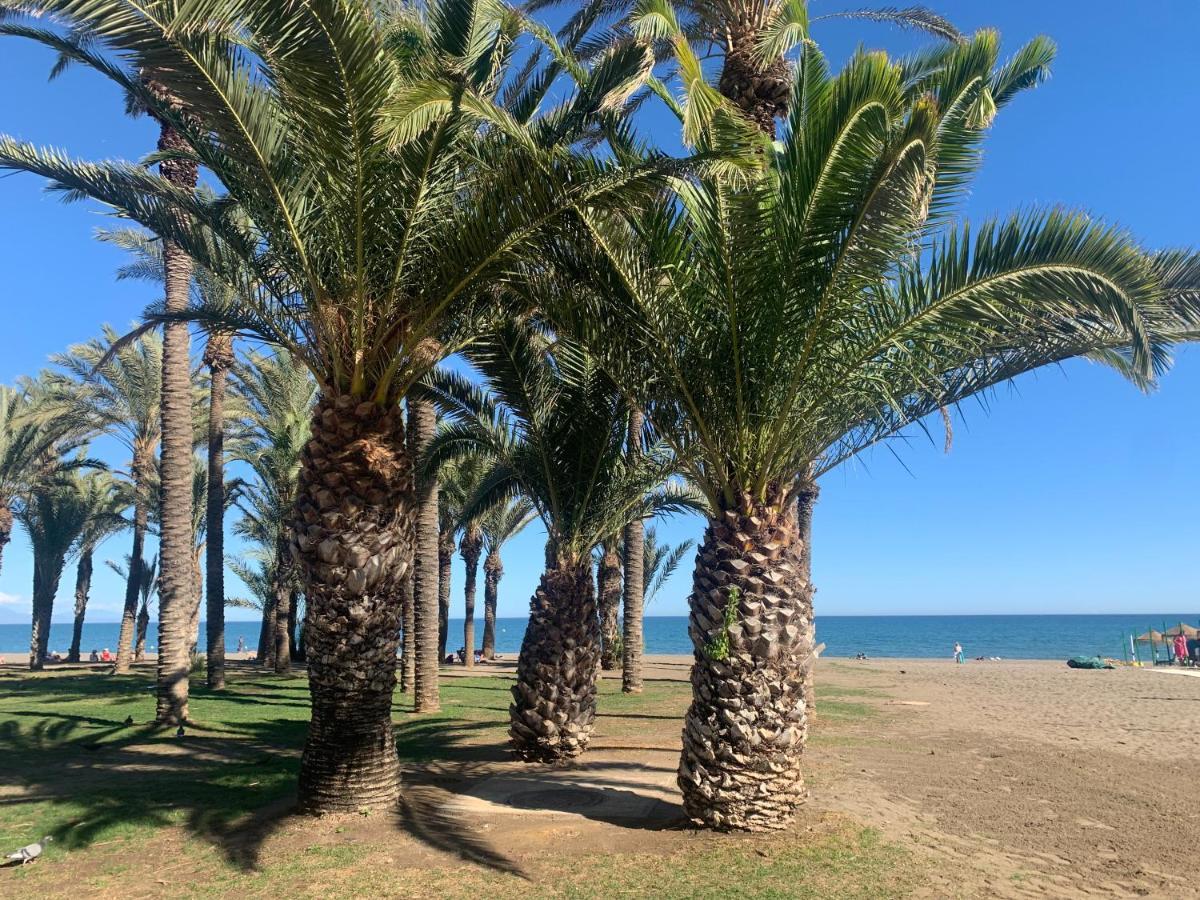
{"x": 932, "y": 637}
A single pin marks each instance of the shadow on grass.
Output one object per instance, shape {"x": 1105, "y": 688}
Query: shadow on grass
{"x": 85, "y": 776}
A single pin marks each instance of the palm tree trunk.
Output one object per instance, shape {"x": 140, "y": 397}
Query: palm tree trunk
{"x": 143, "y": 625}
{"x": 175, "y": 583}
{"x": 283, "y": 612}
{"x": 353, "y": 541}
{"x": 632, "y": 639}
{"x": 445, "y": 551}
{"x": 608, "y": 580}
{"x": 134, "y": 581}
{"x": 806, "y": 498}
{"x": 745, "y": 729}
{"x": 218, "y": 355}
{"x": 266, "y": 635}
{"x": 193, "y": 628}
{"x": 554, "y": 699}
{"x": 422, "y": 419}
{"x": 470, "y": 546}
{"x": 83, "y": 586}
{"x": 43, "y": 598}
{"x": 408, "y": 639}
{"x": 493, "y": 571}
{"x": 6, "y": 527}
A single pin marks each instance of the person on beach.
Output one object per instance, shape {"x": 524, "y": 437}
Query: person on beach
{"x": 241, "y": 644}
{"x": 958, "y": 652}
{"x": 106, "y": 656}
{"x": 1181, "y": 650}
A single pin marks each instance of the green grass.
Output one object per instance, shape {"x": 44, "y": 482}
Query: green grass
{"x": 131, "y": 805}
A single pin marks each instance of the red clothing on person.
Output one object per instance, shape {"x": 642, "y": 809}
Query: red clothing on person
{"x": 1180, "y": 647}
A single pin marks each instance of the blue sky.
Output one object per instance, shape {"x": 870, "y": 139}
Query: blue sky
{"x": 1070, "y": 492}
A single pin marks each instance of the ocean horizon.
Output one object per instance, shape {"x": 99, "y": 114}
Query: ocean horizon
{"x": 924, "y": 637}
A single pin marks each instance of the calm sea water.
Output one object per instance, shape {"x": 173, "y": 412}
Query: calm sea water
{"x": 1013, "y": 637}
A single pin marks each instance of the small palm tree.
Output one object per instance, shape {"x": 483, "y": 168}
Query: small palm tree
{"x": 105, "y": 500}
{"x": 770, "y": 322}
{"x": 661, "y": 562}
{"x": 147, "y": 588}
{"x": 276, "y": 398}
{"x": 21, "y": 446}
{"x": 373, "y": 216}
{"x": 499, "y": 525}
{"x": 54, "y": 515}
{"x": 115, "y": 390}
{"x": 456, "y": 485}
{"x": 553, "y": 427}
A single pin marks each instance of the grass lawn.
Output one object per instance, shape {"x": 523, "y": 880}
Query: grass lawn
{"x": 141, "y": 811}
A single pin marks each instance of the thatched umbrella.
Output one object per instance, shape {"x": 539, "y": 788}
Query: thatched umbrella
{"x": 1188, "y": 631}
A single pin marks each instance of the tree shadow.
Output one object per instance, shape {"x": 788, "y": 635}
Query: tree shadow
{"x": 230, "y": 779}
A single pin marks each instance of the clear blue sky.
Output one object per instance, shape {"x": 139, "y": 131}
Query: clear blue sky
{"x": 1072, "y": 492}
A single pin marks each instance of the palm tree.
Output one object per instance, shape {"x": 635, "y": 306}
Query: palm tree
{"x": 150, "y": 264}
{"x": 553, "y": 427}
{"x": 147, "y": 588}
{"x": 54, "y": 515}
{"x": 751, "y": 40}
{"x": 426, "y": 579}
{"x": 105, "y": 500}
{"x": 275, "y": 399}
{"x": 115, "y": 390}
{"x": 771, "y": 322}
{"x": 608, "y": 592}
{"x": 661, "y": 561}
{"x": 499, "y": 525}
{"x": 372, "y": 214}
{"x": 457, "y": 484}
{"x": 21, "y": 451}
{"x": 633, "y": 639}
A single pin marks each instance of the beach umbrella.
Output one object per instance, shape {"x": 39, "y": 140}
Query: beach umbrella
{"x": 1188, "y": 631}
{"x": 1150, "y": 637}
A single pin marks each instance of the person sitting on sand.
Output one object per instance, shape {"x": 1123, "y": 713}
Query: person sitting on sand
{"x": 105, "y": 656}
{"x": 94, "y": 656}
{"x": 958, "y": 652}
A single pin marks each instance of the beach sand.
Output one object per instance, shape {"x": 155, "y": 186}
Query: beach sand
{"x": 1022, "y": 778}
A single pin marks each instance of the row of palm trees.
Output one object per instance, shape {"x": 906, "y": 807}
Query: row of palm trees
{"x": 710, "y": 333}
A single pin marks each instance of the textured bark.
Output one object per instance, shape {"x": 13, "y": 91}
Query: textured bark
{"x": 352, "y": 541}
{"x": 6, "y": 527}
{"x": 266, "y": 635}
{"x": 806, "y": 498}
{"x": 745, "y": 729}
{"x": 554, "y": 699}
{"x": 421, "y": 422}
{"x": 283, "y": 634}
{"x": 608, "y": 581}
{"x": 445, "y": 551}
{"x": 193, "y": 627}
{"x": 761, "y": 92}
{"x": 134, "y": 581}
{"x": 633, "y": 642}
{"x": 46, "y": 575}
{"x": 408, "y": 643}
{"x": 471, "y": 546}
{"x": 83, "y": 587}
{"x": 493, "y": 571}
{"x": 143, "y": 625}
{"x": 175, "y": 586}
{"x": 218, "y": 356}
